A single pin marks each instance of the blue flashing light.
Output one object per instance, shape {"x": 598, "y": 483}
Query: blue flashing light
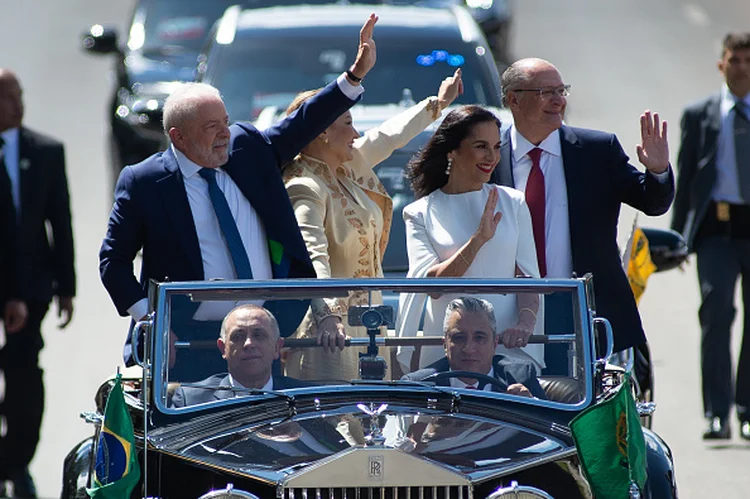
{"x": 456, "y": 60}
{"x": 425, "y": 60}
{"x": 440, "y": 55}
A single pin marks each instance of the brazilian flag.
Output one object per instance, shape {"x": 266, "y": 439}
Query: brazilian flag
{"x": 611, "y": 445}
{"x": 116, "y": 471}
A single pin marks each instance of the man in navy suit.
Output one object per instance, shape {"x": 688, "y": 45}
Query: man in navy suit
{"x": 249, "y": 342}
{"x": 170, "y": 205}
{"x": 712, "y": 211}
{"x": 470, "y": 338}
{"x": 575, "y": 181}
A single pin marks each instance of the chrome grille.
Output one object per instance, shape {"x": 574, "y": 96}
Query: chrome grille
{"x": 443, "y": 492}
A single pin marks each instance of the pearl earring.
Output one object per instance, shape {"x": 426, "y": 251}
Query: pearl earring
{"x": 448, "y": 168}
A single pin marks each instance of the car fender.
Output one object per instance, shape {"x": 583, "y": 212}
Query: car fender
{"x": 77, "y": 470}
{"x": 661, "y": 482}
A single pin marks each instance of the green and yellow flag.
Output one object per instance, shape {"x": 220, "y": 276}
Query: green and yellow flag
{"x": 116, "y": 471}
{"x": 611, "y": 446}
{"x": 637, "y": 262}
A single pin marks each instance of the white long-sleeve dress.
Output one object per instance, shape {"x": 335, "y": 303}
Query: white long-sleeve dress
{"x": 437, "y": 226}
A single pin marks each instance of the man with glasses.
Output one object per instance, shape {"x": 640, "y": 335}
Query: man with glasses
{"x": 575, "y": 181}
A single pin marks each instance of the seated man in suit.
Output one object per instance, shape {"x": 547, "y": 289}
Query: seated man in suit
{"x": 249, "y": 341}
{"x": 469, "y": 339}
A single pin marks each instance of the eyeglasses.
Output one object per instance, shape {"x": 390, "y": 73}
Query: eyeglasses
{"x": 547, "y": 93}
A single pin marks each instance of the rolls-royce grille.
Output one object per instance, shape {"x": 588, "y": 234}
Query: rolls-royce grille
{"x": 447, "y": 492}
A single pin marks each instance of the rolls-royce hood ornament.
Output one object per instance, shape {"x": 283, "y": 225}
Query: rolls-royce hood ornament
{"x": 376, "y": 433}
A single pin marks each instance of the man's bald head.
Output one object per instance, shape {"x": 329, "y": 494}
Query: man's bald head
{"x": 522, "y": 72}
{"x": 11, "y": 103}
{"x": 535, "y": 93}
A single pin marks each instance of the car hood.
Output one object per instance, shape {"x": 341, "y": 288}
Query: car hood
{"x": 162, "y": 67}
{"x": 451, "y": 446}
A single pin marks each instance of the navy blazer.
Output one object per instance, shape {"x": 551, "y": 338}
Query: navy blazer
{"x": 696, "y": 166}
{"x": 151, "y": 209}
{"x": 599, "y": 179}
{"x": 219, "y": 387}
{"x": 504, "y": 369}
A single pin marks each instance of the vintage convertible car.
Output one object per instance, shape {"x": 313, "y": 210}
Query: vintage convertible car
{"x": 337, "y": 435}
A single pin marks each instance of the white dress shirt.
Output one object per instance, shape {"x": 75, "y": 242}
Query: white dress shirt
{"x": 557, "y": 225}
{"x": 11, "y": 155}
{"x": 727, "y": 186}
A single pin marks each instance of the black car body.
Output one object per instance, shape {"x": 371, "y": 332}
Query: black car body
{"x": 366, "y": 437}
{"x": 261, "y": 58}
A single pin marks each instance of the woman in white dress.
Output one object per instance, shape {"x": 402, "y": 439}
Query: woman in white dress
{"x": 462, "y": 226}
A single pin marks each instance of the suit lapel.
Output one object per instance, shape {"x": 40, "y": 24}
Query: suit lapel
{"x": 503, "y": 174}
{"x": 177, "y": 208}
{"x": 27, "y": 170}
{"x": 225, "y": 389}
{"x": 575, "y": 182}
{"x": 712, "y": 123}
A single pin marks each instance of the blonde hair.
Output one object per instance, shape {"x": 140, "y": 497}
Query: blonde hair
{"x": 300, "y": 99}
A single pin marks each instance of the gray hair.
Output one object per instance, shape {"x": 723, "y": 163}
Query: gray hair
{"x": 249, "y": 306}
{"x": 182, "y": 103}
{"x": 516, "y": 75}
{"x": 471, "y": 304}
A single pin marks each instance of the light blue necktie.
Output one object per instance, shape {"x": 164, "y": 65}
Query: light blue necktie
{"x": 228, "y": 225}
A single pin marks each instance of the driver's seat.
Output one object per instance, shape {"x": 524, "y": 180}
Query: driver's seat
{"x": 561, "y": 389}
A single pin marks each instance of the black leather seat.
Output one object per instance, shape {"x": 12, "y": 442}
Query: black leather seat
{"x": 561, "y": 389}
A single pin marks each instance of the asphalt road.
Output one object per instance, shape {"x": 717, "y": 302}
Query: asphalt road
{"x": 620, "y": 57}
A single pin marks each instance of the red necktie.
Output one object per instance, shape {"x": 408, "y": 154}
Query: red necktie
{"x": 535, "y": 194}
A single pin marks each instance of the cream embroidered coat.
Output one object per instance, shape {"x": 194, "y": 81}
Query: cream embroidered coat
{"x": 345, "y": 239}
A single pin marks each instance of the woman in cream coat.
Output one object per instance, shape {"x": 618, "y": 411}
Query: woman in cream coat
{"x": 344, "y": 214}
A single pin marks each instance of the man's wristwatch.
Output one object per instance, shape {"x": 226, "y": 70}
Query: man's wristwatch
{"x": 353, "y": 77}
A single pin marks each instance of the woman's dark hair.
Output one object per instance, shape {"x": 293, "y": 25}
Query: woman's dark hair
{"x": 426, "y": 170}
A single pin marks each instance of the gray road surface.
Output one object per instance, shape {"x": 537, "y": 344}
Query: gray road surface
{"x": 620, "y": 56}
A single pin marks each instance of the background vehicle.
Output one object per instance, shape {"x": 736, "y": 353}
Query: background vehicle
{"x": 264, "y": 57}
{"x": 495, "y": 17}
{"x": 375, "y": 437}
{"x": 164, "y": 39}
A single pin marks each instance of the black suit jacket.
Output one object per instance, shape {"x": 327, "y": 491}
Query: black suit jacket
{"x": 696, "y": 165}
{"x": 10, "y": 254}
{"x": 509, "y": 371}
{"x": 48, "y": 263}
{"x": 599, "y": 179}
{"x": 219, "y": 387}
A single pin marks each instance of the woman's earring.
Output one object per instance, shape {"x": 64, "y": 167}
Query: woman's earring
{"x": 448, "y": 168}
{"x": 325, "y": 139}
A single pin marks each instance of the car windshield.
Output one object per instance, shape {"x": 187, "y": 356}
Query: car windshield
{"x": 248, "y": 340}
{"x": 175, "y": 25}
{"x": 254, "y": 73}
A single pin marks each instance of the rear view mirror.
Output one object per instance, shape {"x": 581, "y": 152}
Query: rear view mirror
{"x": 668, "y": 248}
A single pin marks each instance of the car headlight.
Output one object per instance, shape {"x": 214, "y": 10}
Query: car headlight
{"x": 515, "y": 491}
{"x": 229, "y": 493}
